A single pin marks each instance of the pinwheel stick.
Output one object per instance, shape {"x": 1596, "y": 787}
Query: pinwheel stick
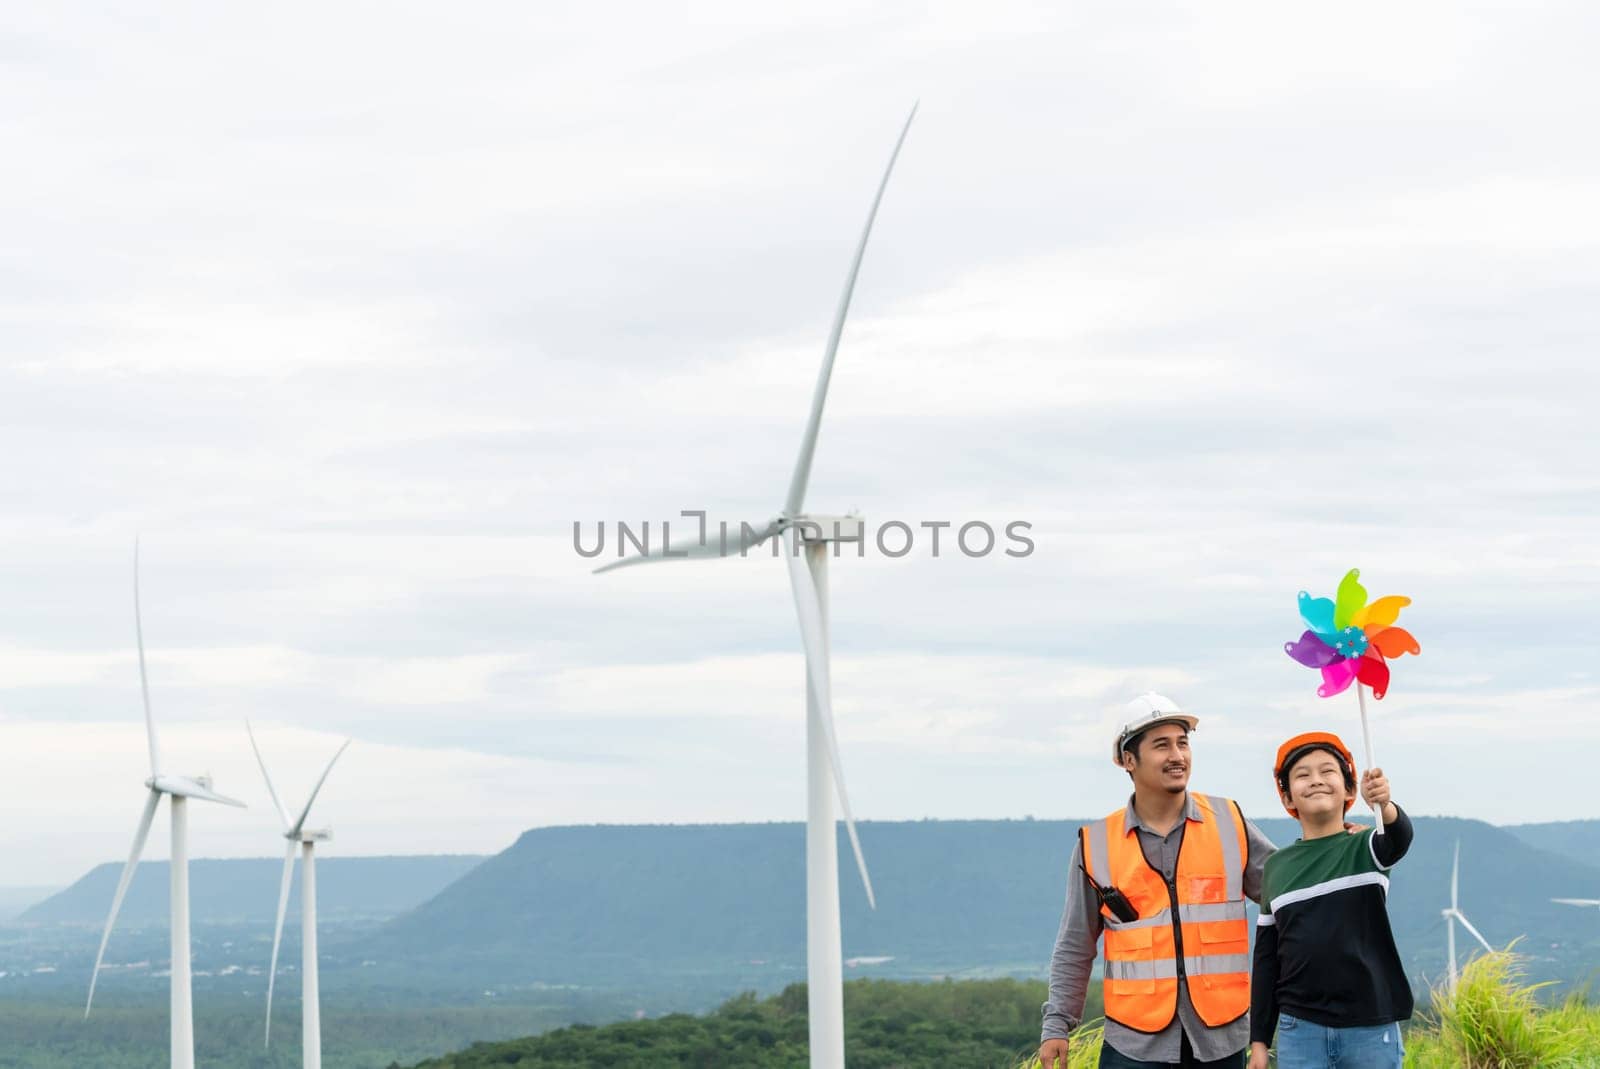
{"x": 1366, "y": 743}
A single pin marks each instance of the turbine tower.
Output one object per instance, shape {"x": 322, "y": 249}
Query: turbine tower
{"x": 812, "y": 534}
{"x": 1454, "y": 914}
{"x": 179, "y": 789}
{"x": 305, "y": 840}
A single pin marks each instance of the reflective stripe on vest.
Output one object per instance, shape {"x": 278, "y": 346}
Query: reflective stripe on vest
{"x": 1189, "y": 914}
{"x": 1141, "y": 956}
{"x": 1167, "y": 969}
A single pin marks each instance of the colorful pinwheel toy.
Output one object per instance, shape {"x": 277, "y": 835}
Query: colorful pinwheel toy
{"x": 1348, "y": 640}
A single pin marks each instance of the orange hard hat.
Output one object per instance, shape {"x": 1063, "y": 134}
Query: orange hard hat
{"x": 1298, "y": 747}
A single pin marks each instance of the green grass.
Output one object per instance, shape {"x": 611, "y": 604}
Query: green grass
{"x": 1495, "y": 1020}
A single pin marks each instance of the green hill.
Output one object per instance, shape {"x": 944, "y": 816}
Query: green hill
{"x": 974, "y": 1025}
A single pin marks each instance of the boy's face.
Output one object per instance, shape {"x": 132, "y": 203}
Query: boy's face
{"x": 1316, "y": 786}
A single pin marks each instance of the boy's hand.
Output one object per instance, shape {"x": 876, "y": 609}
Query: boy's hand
{"x": 1258, "y": 1056}
{"x": 1375, "y": 792}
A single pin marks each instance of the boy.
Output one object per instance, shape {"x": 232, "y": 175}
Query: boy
{"x": 1327, "y": 976}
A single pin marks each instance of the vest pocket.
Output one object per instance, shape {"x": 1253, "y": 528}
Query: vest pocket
{"x": 1133, "y": 942}
{"x": 1224, "y": 937}
{"x": 1130, "y": 960}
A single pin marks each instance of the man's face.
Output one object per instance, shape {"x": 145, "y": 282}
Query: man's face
{"x": 1316, "y": 785}
{"x": 1162, "y": 762}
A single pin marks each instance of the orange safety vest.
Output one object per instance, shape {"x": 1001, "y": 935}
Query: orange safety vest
{"x": 1203, "y": 907}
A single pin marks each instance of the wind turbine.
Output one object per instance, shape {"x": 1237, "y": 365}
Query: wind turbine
{"x": 824, "y": 773}
{"x": 1577, "y": 901}
{"x": 306, "y": 839}
{"x": 1454, "y": 914}
{"x": 180, "y": 789}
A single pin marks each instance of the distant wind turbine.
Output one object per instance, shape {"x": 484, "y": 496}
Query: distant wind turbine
{"x": 824, "y": 773}
{"x": 180, "y": 789}
{"x": 306, "y": 840}
{"x": 1454, "y": 914}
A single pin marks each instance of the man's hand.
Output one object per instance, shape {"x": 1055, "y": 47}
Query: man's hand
{"x": 1375, "y": 792}
{"x": 1051, "y": 1050}
{"x": 1258, "y": 1056}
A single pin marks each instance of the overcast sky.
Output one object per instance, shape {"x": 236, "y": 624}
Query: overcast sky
{"x": 351, "y": 312}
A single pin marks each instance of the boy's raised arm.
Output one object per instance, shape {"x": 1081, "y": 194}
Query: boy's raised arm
{"x": 1392, "y": 845}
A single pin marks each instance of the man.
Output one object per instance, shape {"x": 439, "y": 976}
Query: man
{"x": 1164, "y": 880}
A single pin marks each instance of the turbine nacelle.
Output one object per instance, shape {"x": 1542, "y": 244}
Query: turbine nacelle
{"x": 309, "y": 835}
{"x": 847, "y": 528}
{"x": 190, "y": 787}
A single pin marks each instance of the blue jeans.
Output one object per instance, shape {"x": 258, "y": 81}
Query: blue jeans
{"x": 1304, "y": 1045}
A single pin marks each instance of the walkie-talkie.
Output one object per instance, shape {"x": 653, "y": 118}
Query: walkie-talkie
{"x": 1112, "y": 899}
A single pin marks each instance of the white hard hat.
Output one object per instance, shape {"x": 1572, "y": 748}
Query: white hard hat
{"x": 1145, "y": 712}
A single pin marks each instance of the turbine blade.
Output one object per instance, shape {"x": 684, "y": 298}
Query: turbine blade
{"x": 144, "y": 679}
{"x": 815, "y": 638}
{"x": 745, "y": 539}
{"x": 1577, "y": 901}
{"x": 1462, "y": 917}
{"x": 283, "y": 813}
{"x": 277, "y": 931}
{"x": 1455, "y": 876}
{"x": 808, "y": 443}
{"x": 301, "y": 823}
{"x": 139, "y": 836}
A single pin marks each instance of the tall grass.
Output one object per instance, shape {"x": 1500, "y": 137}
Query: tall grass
{"x": 1085, "y": 1049}
{"x": 1494, "y": 1020}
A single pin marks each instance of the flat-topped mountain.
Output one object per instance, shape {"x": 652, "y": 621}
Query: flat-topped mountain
{"x": 245, "y": 890}
{"x": 618, "y": 904}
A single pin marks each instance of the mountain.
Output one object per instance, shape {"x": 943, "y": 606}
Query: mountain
{"x": 14, "y": 900}
{"x": 1576, "y": 840}
{"x": 658, "y": 905}
{"x": 223, "y": 891}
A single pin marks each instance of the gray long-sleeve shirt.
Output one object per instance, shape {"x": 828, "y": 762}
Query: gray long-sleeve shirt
{"x": 1073, "y": 959}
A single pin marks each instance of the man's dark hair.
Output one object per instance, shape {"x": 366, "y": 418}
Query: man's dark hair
{"x": 1302, "y": 752}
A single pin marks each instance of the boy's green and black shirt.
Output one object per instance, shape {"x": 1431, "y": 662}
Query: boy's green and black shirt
{"x": 1324, "y": 949}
